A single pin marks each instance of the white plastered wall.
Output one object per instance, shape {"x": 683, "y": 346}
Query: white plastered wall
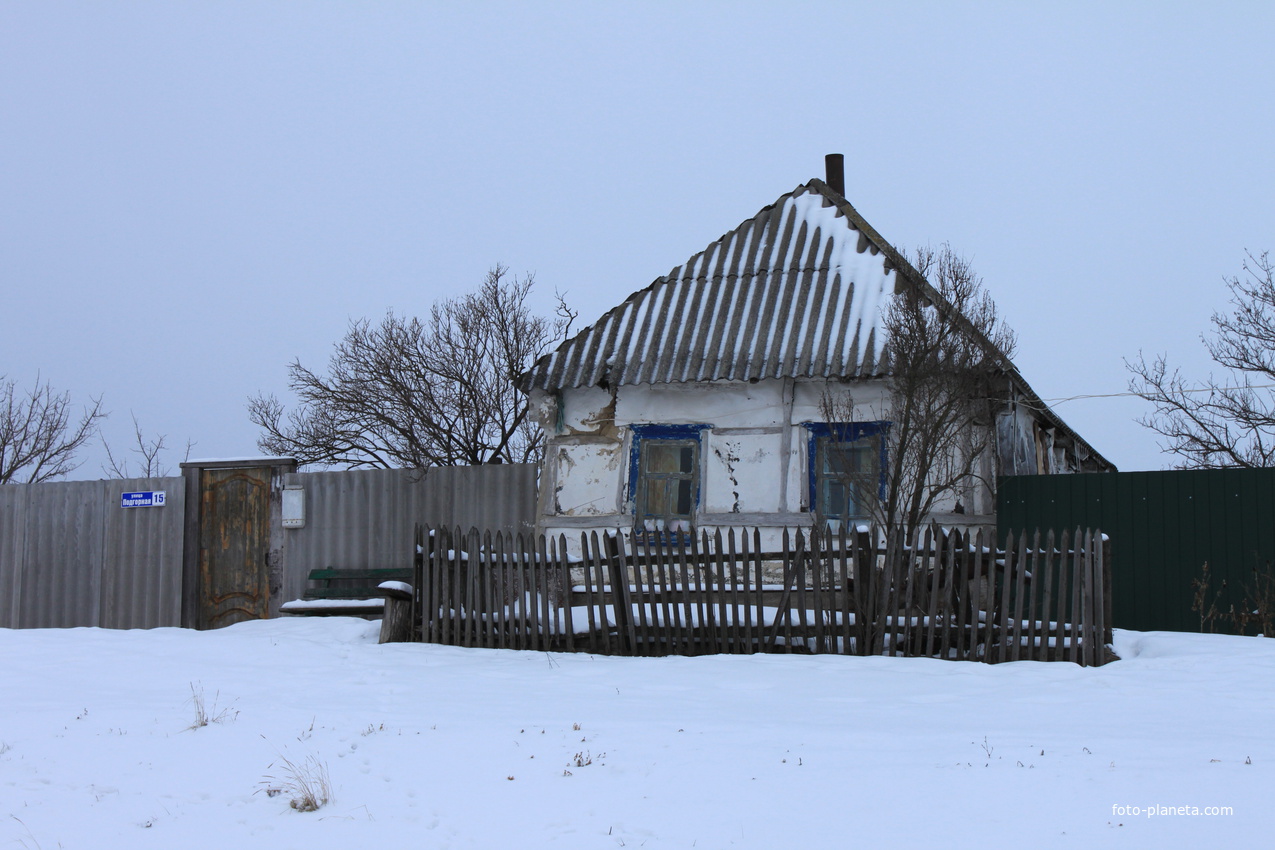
{"x": 753, "y": 456}
{"x": 753, "y": 464}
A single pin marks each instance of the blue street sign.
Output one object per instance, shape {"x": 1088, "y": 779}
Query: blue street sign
{"x": 144, "y": 499}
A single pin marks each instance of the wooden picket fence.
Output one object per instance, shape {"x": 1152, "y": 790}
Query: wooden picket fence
{"x": 950, "y": 595}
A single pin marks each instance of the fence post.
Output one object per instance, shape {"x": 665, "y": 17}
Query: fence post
{"x": 1065, "y": 548}
{"x": 1091, "y": 597}
{"x": 929, "y": 589}
{"x": 617, "y": 574}
{"x": 1077, "y": 601}
{"x": 948, "y": 600}
{"x": 717, "y": 580}
{"x": 1003, "y": 609}
{"x": 1106, "y": 592}
{"x": 865, "y": 592}
{"x": 818, "y": 581}
{"x": 1033, "y": 567}
{"x": 1020, "y": 573}
{"x": 543, "y": 614}
{"x": 590, "y": 605}
{"x": 482, "y": 604}
{"x": 728, "y": 563}
{"x": 444, "y": 570}
{"x": 784, "y": 612}
{"x": 396, "y": 621}
{"x": 419, "y": 536}
{"x": 843, "y": 576}
{"x": 802, "y": 558}
{"x": 1094, "y": 649}
{"x": 889, "y": 581}
{"x": 753, "y": 565}
{"x": 985, "y": 616}
{"x": 563, "y": 571}
{"x": 903, "y": 599}
{"x": 473, "y": 567}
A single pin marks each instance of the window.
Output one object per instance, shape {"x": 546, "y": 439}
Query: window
{"x": 847, "y": 470}
{"x": 666, "y": 493}
{"x": 665, "y": 478}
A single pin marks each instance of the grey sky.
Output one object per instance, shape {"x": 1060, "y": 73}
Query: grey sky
{"x": 194, "y": 194}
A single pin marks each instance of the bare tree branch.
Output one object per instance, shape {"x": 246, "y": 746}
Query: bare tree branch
{"x": 39, "y": 439}
{"x": 412, "y": 393}
{"x": 151, "y": 463}
{"x": 942, "y": 359}
{"x": 1229, "y": 422}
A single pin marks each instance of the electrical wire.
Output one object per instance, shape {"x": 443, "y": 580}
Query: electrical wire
{"x": 1139, "y": 395}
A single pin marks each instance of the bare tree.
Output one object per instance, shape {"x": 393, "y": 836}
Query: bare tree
{"x": 1228, "y": 421}
{"x": 946, "y": 347}
{"x": 407, "y": 393}
{"x": 39, "y": 437}
{"x": 149, "y": 452}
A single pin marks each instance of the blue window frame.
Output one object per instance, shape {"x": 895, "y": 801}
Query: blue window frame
{"x": 847, "y": 469}
{"x": 664, "y": 480}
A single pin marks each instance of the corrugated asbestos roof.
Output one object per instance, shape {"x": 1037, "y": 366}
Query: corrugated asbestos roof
{"x": 796, "y": 291}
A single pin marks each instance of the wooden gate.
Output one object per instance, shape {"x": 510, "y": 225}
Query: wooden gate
{"x": 234, "y": 541}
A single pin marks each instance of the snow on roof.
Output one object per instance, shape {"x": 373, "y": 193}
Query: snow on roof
{"x": 796, "y": 291}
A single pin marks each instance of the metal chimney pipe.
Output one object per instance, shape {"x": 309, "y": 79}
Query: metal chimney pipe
{"x": 835, "y": 167}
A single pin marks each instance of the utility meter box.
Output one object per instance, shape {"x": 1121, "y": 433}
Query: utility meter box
{"x": 293, "y": 506}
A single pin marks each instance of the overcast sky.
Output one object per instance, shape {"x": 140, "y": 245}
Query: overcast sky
{"x": 192, "y": 195}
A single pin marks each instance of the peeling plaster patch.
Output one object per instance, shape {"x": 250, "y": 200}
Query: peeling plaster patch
{"x": 588, "y": 412}
{"x": 565, "y": 465}
{"x": 544, "y": 409}
{"x": 742, "y": 473}
{"x": 729, "y": 457}
{"x": 585, "y": 472}
{"x": 603, "y": 422}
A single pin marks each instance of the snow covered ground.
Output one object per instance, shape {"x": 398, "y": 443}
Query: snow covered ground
{"x": 429, "y": 746}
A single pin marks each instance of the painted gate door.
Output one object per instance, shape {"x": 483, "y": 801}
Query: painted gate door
{"x": 234, "y": 537}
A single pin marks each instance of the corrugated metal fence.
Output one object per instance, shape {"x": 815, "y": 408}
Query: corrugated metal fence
{"x": 70, "y": 555}
{"x": 1163, "y": 527}
{"x": 364, "y": 519}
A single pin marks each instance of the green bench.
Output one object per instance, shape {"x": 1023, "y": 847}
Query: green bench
{"x": 346, "y": 593}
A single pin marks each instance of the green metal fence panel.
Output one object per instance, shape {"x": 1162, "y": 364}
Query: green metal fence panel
{"x": 1163, "y": 527}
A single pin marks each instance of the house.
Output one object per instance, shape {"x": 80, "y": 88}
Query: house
{"x": 697, "y": 403}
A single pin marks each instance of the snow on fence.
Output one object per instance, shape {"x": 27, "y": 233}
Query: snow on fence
{"x": 943, "y": 594}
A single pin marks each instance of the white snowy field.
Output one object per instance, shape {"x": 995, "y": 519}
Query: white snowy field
{"x": 429, "y": 746}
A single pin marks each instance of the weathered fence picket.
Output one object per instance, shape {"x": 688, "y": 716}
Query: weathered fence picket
{"x": 936, "y": 593}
